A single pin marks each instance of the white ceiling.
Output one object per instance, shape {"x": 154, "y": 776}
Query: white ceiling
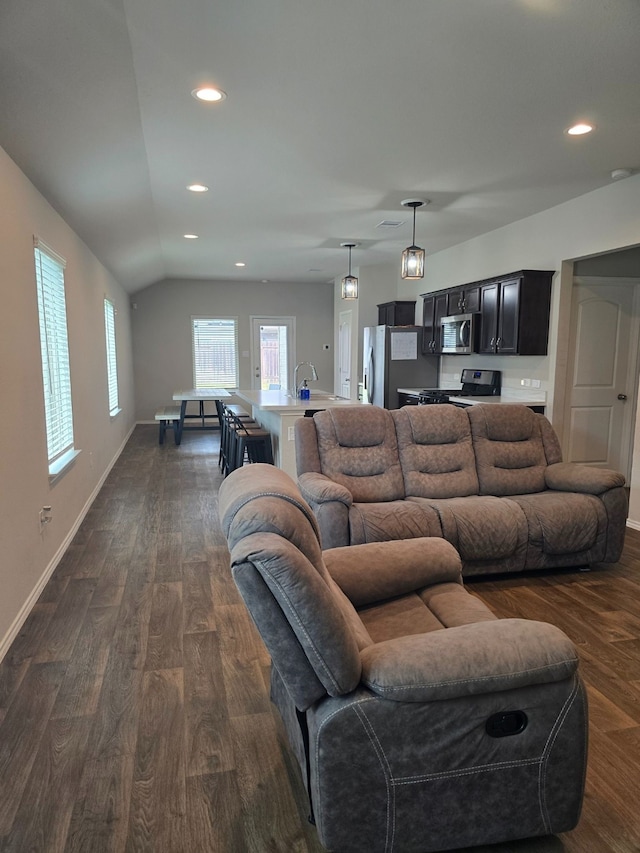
{"x": 336, "y": 111}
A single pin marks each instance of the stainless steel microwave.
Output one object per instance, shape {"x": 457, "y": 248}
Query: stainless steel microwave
{"x": 459, "y": 333}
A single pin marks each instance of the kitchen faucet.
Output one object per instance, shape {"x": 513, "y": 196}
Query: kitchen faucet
{"x": 313, "y": 377}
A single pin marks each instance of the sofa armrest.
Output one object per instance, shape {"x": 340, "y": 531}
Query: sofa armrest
{"x": 573, "y": 477}
{"x": 484, "y": 657}
{"x": 378, "y": 571}
{"x": 318, "y": 489}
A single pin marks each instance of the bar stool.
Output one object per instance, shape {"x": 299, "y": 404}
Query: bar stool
{"x": 225, "y": 416}
{"x": 247, "y": 439}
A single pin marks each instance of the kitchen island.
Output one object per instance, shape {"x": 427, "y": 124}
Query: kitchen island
{"x": 277, "y": 412}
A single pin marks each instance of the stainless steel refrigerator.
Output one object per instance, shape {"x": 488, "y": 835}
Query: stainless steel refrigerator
{"x": 392, "y": 359}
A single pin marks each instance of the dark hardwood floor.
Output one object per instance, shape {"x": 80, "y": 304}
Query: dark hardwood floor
{"x": 134, "y": 709}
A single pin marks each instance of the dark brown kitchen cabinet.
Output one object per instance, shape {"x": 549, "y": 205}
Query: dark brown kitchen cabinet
{"x": 397, "y": 313}
{"x": 464, "y": 300}
{"x": 434, "y": 308}
{"x": 514, "y": 313}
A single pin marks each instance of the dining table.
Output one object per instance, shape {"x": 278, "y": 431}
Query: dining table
{"x": 207, "y": 420}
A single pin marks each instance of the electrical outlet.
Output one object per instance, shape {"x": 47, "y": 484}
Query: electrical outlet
{"x": 535, "y": 383}
{"x": 291, "y": 435}
{"x": 526, "y": 383}
{"x": 46, "y": 515}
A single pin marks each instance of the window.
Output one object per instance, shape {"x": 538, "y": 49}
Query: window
{"x": 54, "y": 346}
{"x": 112, "y": 363}
{"x": 215, "y": 352}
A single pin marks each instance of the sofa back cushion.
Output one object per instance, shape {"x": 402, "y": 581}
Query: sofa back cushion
{"x": 436, "y": 452}
{"x": 357, "y": 448}
{"x": 510, "y": 455}
{"x": 271, "y": 533}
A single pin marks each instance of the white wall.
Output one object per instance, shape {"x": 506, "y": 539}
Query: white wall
{"x": 27, "y": 553}
{"x": 376, "y": 284}
{"x": 162, "y": 330}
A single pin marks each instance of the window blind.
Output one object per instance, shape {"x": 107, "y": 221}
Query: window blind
{"x": 54, "y": 345}
{"x": 215, "y": 352}
{"x": 112, "y": 362}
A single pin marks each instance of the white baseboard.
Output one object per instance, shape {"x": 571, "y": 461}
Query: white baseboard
{"x": 24, "y": 611}
{"x": 633, "y": 524}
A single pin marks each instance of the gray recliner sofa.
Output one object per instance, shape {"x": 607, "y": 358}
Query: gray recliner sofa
{"x": 420, "y": 721}
{"x": 489, "y": 479}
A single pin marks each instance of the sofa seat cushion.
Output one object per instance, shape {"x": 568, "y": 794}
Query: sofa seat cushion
{"x": 360, "y": 453}
{"x": 379, "y": 522}
{"x": 564, "y": 522}
{"x": 510, "y": 453}
{"x": 434, "y": 608}
{"x": 436, "y": 453}
{"x": 399, "y": 617}
{"x": 482, "y": 528}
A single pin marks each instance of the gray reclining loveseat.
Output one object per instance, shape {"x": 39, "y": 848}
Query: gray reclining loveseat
{"x": 419, "y": 720}
{"x": 489, "y": 479}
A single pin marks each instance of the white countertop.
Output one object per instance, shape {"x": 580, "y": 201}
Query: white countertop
{"x": 474, "y": 401}
{"x": 281, "y": 401}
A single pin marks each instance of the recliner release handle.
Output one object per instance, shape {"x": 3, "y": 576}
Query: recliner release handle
{"x": 506, "y": 723}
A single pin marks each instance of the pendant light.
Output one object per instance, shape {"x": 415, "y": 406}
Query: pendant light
{"x": 349, "y": 282}
{"x": 413, "y": 256}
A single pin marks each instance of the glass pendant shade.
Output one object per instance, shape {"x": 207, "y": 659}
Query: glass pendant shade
{"x": 349, "y": 282}
{"x": 349, "y": 287}
{"x": 413, "y": 262}
{"x": 413, "y": 256}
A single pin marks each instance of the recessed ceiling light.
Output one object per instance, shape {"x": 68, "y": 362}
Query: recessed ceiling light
{"x": 619, "y": 174}
{"x": 198, "y": 188}
{"x": 190, "y": 236}
{"x": 209, "y": 93}
{"x": 579, "y": 129}
{"x": 240, "y": 264}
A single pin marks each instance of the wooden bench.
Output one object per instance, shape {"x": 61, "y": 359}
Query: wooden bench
{"x": 168, "y": 418}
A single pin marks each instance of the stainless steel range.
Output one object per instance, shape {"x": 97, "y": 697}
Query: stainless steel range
{"x": 475, "y": 383}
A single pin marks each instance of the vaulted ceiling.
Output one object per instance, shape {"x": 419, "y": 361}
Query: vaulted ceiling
{"x": 336, "y": 111}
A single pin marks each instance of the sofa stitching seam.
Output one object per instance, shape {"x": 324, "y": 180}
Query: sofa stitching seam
{"x": 388, "y": 778}
{"x": 469, "y": 771}
{"x": 317, "y": 742}
{"x": 553, "y": 734}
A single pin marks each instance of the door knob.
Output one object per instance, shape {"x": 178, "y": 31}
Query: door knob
{"x": 622, "y": 396}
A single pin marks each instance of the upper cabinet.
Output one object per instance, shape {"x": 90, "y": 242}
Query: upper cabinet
{"x": 397, "y": 313}
{"x": 513, "y": 308}
{"x": 434, "y": 308}
{"x": 514, "y": 313}
{"x": 464, "y": 300}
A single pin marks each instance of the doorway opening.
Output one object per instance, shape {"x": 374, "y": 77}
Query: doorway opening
{"x": 599, "y": 355}
{"x": 602, "y": 377}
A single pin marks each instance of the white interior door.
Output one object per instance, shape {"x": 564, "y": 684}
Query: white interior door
{"x": 344, "y": 353}
{"x": 602, "y": 398}
{"x": 272, "y": 352}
